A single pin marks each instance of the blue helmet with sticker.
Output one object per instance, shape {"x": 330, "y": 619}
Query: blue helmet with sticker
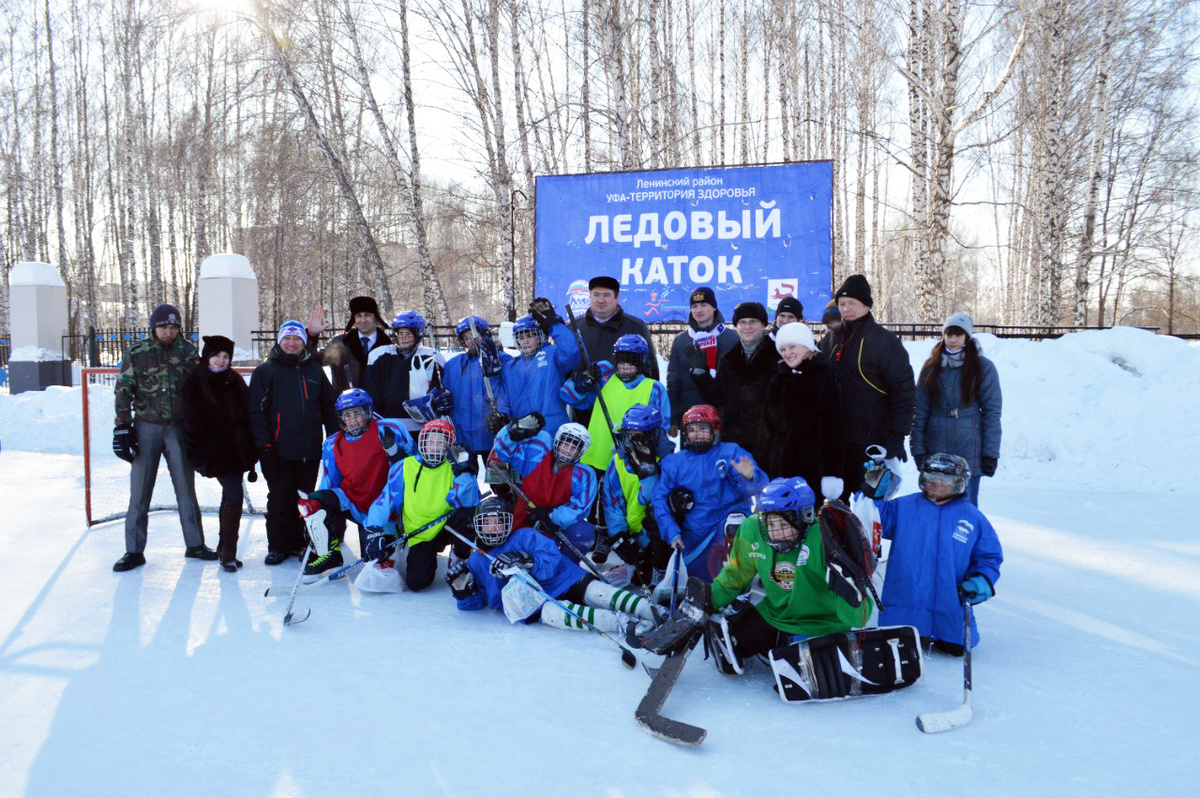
{"x": 528, "y": 335}
{"x": 481, "y": 325}
{"x": 641, "y": 418}
{"x": 354, "y": 421}
{"x": 410, "y": 320}
{"x": 631, "y": 342}
{"x": 788, "y": 507}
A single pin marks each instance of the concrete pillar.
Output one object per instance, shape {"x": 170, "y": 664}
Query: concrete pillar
{"x": 38, "y": 310}
{"x": 227, "y": 296}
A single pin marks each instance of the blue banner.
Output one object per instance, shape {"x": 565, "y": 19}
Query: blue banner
{"x": 751, "y": 233}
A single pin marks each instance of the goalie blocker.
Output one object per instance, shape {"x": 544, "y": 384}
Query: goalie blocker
{"x": 848, "y": 665}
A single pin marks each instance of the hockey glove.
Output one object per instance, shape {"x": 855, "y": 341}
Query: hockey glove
{"x": 379, "y": 544}
{"x": 988, "y": 465}
{"x": 585, "y": 383}
{"x": 628, "y": 549}
{"x": 489, "y": 357}
{"x": 540, "y": 518}
{"x": 680, "y": 501}
{"x": 504, "y": 563}
{"x": 526, "y": 426}
{"x": 544, "y": 314}
{"x": 125, "y": 443}
{"x": 441, "y": 401}
{"x": 496, "y": 421}
{"x": 976, "y": 589}
{"x": 461, "y": 461}
{"x": 877, "y": 479}
{"x": 390, "y": 447}
{"x": 460, "y": 579}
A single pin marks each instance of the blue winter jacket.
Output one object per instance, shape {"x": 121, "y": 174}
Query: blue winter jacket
{"x": 463, "y": 377}
{"x": 718, "y": 490}
{"x": 534, "y": 382}
{"x": 971, "y": 431}
{"x": 554, "y": 572}
{"x": 934, "y": 548}
{"x": 526, "y": 455}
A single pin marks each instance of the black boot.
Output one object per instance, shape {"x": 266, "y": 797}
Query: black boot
{"x": 231, "y": 519}
{"x": 200, "y": 552}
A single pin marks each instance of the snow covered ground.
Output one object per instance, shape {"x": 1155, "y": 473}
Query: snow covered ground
{"x": 176, "y": 679}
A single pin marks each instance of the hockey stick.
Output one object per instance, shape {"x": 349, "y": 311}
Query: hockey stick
{"x": 648, "y": 713}
{"x": 587, "y": 363}
{"x": 627, "y": 656}
{"x": 288, "y": 618}
{"x": 487, "y": 383}
{"x": 933, "y": 722}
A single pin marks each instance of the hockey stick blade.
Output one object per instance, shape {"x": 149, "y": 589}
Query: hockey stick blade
{"x": 299, "y": 616}
{"x": 648, "y": 713}
{"x": 934, "y": 722}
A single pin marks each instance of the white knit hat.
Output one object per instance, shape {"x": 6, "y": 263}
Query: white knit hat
{"x": 960, "y": 318}
{"x": 795, "y": 333}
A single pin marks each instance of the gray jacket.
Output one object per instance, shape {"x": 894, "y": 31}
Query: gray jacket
{"x": 972, "y": 431}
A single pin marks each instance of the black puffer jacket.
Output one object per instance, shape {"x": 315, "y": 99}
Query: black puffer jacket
{"x": 803, "y": 418}
{"x": 876, "y": 380}
{"x": 216, "y": 421}
{"x": 739, "y": 392}
{"x": 291, "y": 406}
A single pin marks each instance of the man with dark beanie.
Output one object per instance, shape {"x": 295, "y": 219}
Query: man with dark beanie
{"x": 605, "y": 321}
{"x": 695, "y": 351}
{"x": 788, "y": 310}
{"x": 347, "y": 353}
{"x": 876, "y": 378}
{"x": 149, "y": 425}
{"x": 740, "y": 387}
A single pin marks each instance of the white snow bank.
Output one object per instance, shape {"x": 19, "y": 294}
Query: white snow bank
{"x": 36, "y": 354}
{"x": 226, "y": 264}
{"x": 34, "y": 273}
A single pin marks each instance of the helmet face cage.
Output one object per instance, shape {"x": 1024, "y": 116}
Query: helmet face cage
{"x": 493, "y": 524}
{"x": 353, "y": 407}
{"x": 529, "y": 341}
{"x": 434, "y": 442}
{"x": 570, "y": 442}
{"x": 784, "y": 528}
{"x": 944, "y": 477}
{"x": 631, "y": 350}
{"x": 699, "y": 436}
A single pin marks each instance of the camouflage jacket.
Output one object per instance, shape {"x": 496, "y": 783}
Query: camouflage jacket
{"x": 148, "y": 386}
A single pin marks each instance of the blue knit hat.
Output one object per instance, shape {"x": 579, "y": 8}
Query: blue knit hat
{"x": 292, "y": 327}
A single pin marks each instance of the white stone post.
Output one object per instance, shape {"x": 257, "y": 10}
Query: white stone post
{"x": 38, "y": 310}
{"x": 227, "y": 296}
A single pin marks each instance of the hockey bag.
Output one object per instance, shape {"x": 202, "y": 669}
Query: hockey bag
{"x": 849, "y": 558}
{"x": 848, "y": 665}
{"x": 867, "y": 512}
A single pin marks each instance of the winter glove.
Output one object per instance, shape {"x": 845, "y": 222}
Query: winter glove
{"x": 988, "y": 465}
{"x": 125, "y": 443}
{"x": 378, "y": 544}
{"x": 897, "y": 452}
{"x": 585, "y": 383}
{"x": 831, "y": 487}
{"x": 460, "y": 579}
{"x": 920, "y": 459}
{"x": 441, "y": 401}
{"x": 540, "y": 517}
{"x": 976, "y": 589}
{"x": 252, "y": 475}
{"x": 526, "y": 426}
{"x": 628, "y": 549}
{"x": 390, "y": 447}
{"x": 461, "y": 461}
{"x": 496, "y": 421}
{"x": 544, "y": 314}
{"x": 506, "y": 561}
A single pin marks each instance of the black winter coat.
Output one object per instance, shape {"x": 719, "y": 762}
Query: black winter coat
{"x": 739, "y": 392}
{"x": 681, "y": 388}
{"x": 802, "y": 415}
{"x": 216, "y": 422}
{"x": 345, "y": 357}
{"x": 599, "y": 337}
{"x": 291, "y": 406}
{"x": 876, "y": 379}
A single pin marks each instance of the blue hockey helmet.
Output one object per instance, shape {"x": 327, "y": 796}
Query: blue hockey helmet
{"x": 410, "y": 320}
{"x": 481, "y": 325}
{"x": 354, "y": 409}
{"x": 787, "y": 506}
{"x": 631, "y": 349}
{"x": 526, "y": 328}
{"x": 641, "y": 418}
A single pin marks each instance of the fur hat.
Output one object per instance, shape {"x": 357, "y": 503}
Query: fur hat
{"x": 214, "y": 344}
{"x": 703, "y": 296}
{"x": 365, "y": 304}
{"x": 795, "y": 333}
{"x": 856, "y": 287}
{"x": 750, "y": 310}
{"x": 789, "y": 304}
{"x": 165, "y": 314}
{"x": 292, "y": 327}
{"x": 605, "y": 282}
{"x": 961, "y": 319}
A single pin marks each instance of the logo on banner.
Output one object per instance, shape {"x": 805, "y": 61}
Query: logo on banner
{"x": 778, "y": 290}
{"x": 578, "y": 297}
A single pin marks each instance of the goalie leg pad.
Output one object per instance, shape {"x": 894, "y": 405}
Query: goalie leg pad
{"x": 849, "y": 665}
{"x": 608, "y": 597}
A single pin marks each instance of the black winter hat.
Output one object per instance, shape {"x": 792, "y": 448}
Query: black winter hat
{"x": 365, "y": 304}
{"x": 750, "y": 310}
{"x": 165, "y": 314}
{"x": 705, "y": 295}
{"x": 603, "y": 281}
{"x": 214, "y": 344}
{"x": 789, "y": 304}
{"x": 856, "y": 287}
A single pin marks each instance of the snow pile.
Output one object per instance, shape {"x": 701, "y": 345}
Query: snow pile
{"x": 49, "y": 421}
